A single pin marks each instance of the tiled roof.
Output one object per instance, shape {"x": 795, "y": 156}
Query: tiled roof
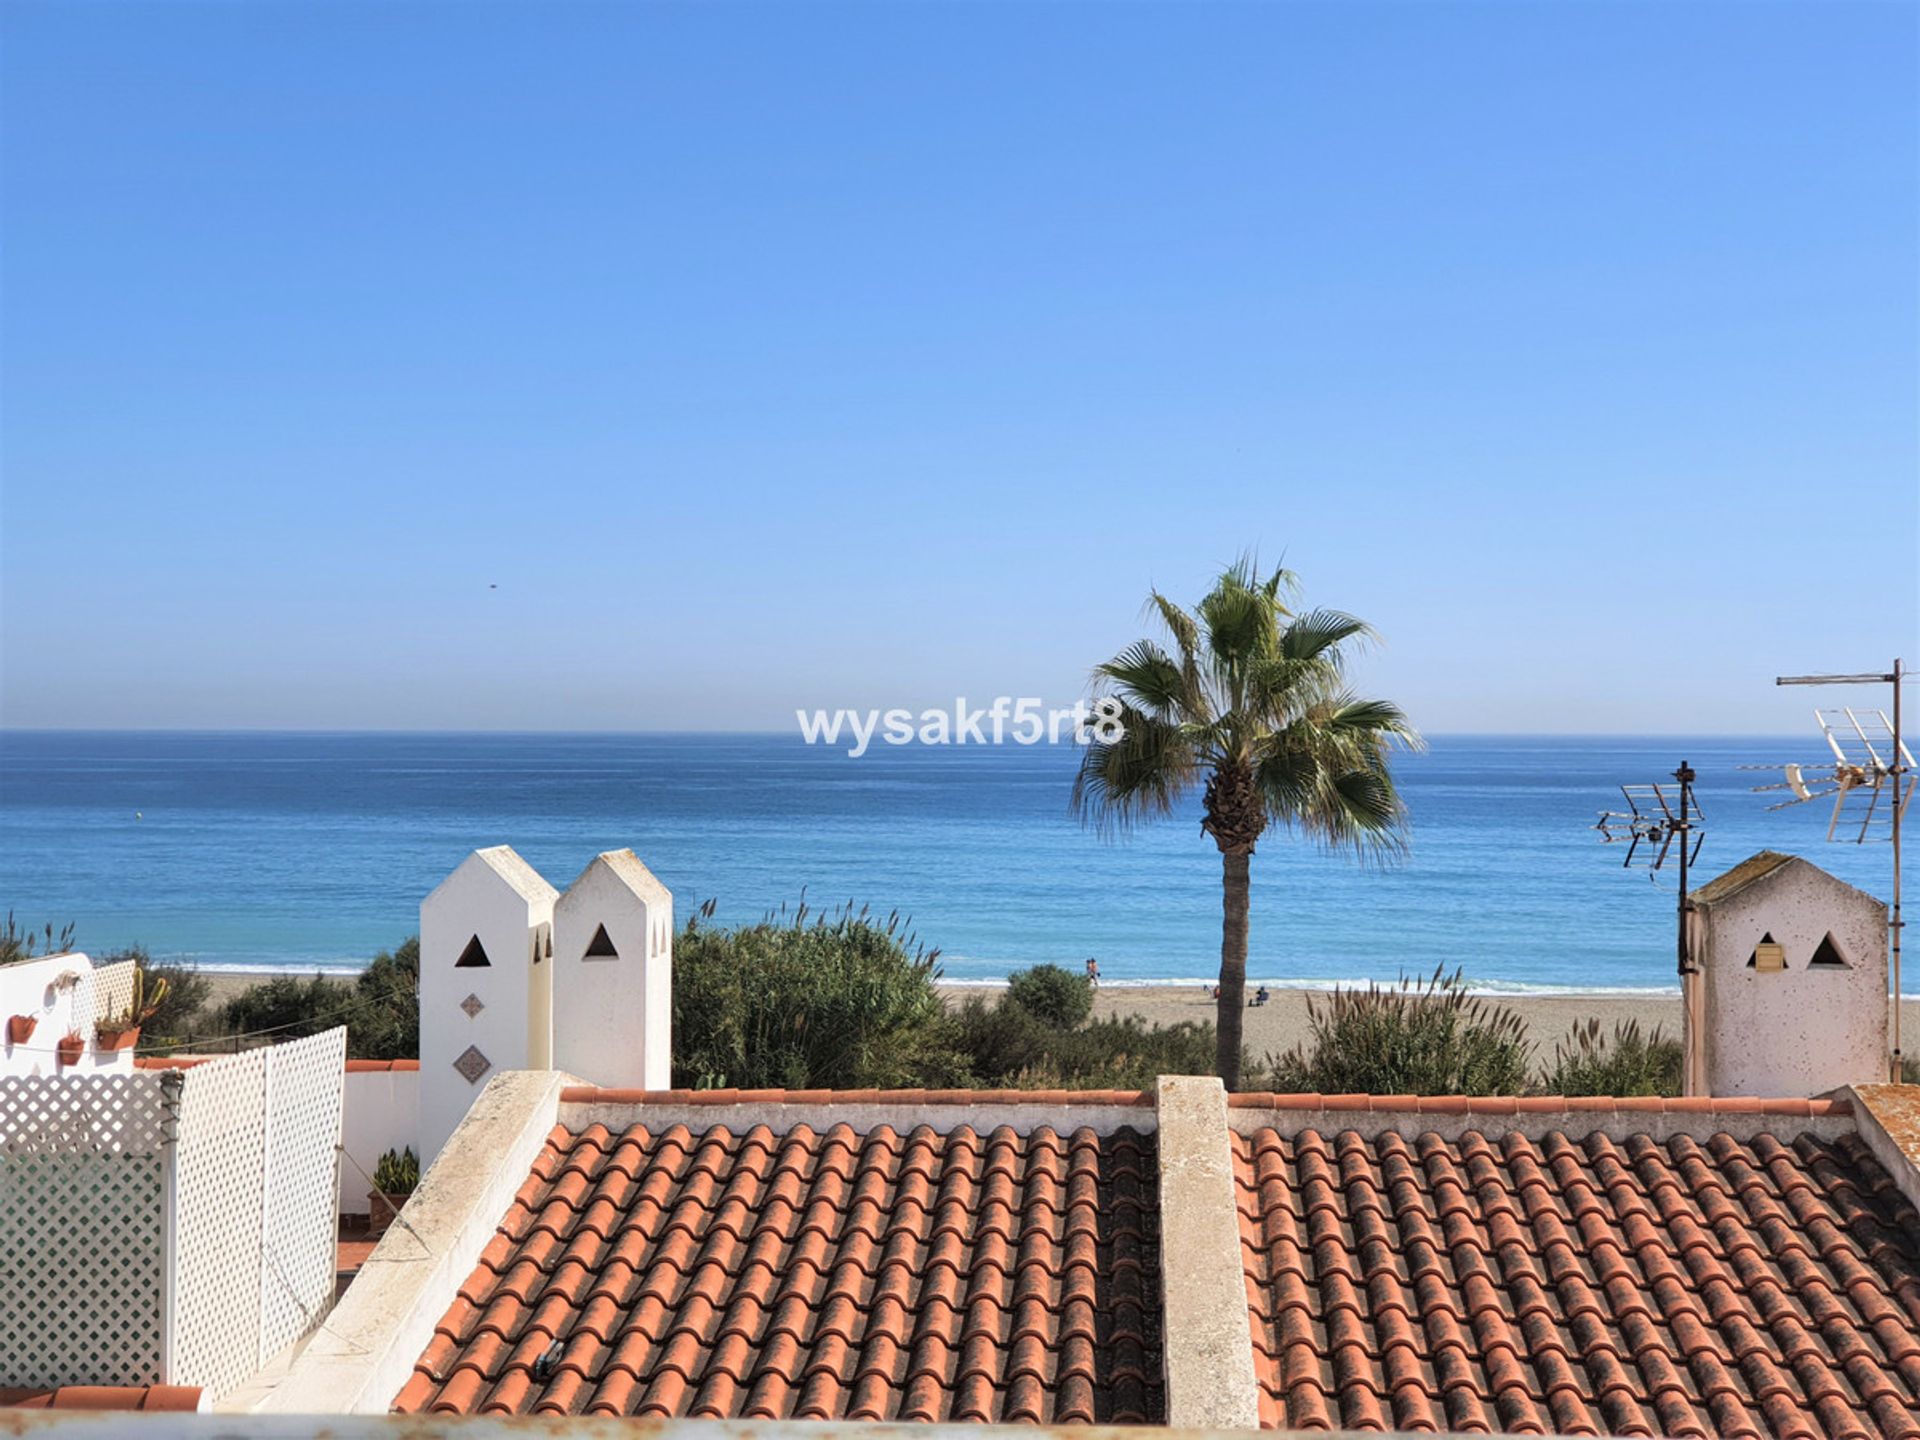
{"x": 840, "y": 1099}
{"x": 1599, "y": 1286}
{"x": 1589, "y": 1108}
{"x": 104, "y": 1397}
{"x": 815, "y": 1274}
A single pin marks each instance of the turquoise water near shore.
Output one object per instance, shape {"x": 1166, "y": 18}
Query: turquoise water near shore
{"x": 278, "y": 850}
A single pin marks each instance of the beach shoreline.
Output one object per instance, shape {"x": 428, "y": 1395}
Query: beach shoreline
{"x": 1282, "y": 1022}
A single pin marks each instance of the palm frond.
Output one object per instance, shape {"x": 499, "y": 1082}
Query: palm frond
{"x": 1324, "y": 634}
{"x": 1146, "y": 677}
{"x": 1186, "y": 640}
{"x": 1141, "y": 776}
{"x": 1380, "y": 719}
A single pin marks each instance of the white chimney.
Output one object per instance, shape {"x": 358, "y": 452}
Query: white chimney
{"x": 612, "y": 976}
{"x": 485, "y": 985}
{"x": 1794, "y": 965}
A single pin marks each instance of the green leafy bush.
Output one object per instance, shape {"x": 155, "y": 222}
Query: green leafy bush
{"x": 1051, "y": 994}
{"x": 380, "y": 1008}
{"x": 384, "y": 1023}
{"x": 398, "y": 1172}
{"x": 841, "y": 1001}
{"x": 1590, "y": 1062}
{"x": 1006, "y": 1046}
{"x": 286, "y": 1007}
{"x": 1417, "y": 1037}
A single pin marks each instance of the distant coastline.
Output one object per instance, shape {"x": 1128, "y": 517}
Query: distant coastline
{"x": 1283, "y": 1021}
{"x": 268, "y": 852}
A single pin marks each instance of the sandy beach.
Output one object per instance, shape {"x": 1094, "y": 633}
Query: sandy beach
{"x": 1282, "y": 1022}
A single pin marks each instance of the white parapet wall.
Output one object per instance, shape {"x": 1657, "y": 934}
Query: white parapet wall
{"x": 613, "y": 975}
{"x": 382, "y": 1113}
{"x": 55, "y": 997}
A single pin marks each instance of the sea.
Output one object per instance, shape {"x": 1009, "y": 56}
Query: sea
{"x": 276, "y": 851}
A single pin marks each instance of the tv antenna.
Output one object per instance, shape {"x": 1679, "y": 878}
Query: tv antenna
{"x": 1657, "y": 816}
{"x": 1870, "y": 780}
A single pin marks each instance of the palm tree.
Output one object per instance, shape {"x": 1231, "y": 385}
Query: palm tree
{"x": 1253, "y": 700}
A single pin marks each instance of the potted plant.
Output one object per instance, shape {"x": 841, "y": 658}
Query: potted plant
{"x": 71, "y": 1047}
{"x": 394, "y": 1179}
{"x": 20, "y": 1028}
{"x": 119, "y": 1032}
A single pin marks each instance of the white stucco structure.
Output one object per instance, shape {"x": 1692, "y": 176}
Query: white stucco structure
{"x": 613, "y": 975}
{"x": 485, "y": 985}
{"x": 381, "y": 1113}
{"x": 61, "y": 994}
{"x": 1816, "y": 1024}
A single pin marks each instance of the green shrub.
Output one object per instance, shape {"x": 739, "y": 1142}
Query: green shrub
{"x": 27, "y": 944}
{"x": 285, "y": 1008}
{"x": 1589, "y": 1062}
{"x": 398, "y": 1172}
{"x": 1006, "y": 1046}
{"x": 1052, "y": 994}
{"x": 381, "y": 1008}
{"x": 843, "y": 1001}
{"x": 1418, "y": 1037}
{"x": 384, "y": 1023}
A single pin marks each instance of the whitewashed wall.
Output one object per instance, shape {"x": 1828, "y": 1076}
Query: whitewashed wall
{"x": 382, "y": 1114}
{"x": 63, "y": 993}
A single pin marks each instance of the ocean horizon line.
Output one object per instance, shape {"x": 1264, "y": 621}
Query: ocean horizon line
{"x": 431, "y": 731}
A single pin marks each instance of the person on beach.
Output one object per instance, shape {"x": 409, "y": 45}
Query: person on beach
{"x": 1093, "y": 972}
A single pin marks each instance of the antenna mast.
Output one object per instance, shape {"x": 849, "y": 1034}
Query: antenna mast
{"x": 1870, "y": 757}
{"x": 1654, "y": 820}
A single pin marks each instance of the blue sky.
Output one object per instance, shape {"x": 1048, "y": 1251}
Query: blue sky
{"x": 874, "y": 355}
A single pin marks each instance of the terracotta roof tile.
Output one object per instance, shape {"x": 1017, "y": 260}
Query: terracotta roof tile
{"x": 816, "y": 1274}
{"x": 915, "y": 1099}
{"x": 104, "y": 1397}
{"x": 1596, "y": 1287}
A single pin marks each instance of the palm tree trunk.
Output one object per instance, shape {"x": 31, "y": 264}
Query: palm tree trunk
{"x": 1233, "y": 966}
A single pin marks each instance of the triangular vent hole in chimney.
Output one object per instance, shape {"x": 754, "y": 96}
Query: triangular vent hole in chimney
{"x": 1768, "y": 955}
{"x": 1829, "y": 955}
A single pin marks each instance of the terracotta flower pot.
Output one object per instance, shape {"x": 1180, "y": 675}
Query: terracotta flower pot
{"x": 20, "y": 1028}
{"x": 382, "y": 1206}
{"x": 105, "y": 1038}
{"x": 70, "y": 1049}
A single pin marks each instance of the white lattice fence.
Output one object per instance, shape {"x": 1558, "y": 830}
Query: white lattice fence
{"x": 82, "y": 1177}
{"x": 112, "y": 991}
{"x": 299, "y": 1259}
{"x": 256, "y": 1202}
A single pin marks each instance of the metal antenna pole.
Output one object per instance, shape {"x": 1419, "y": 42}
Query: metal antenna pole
{"x": 1892, "y": 770}
{"x": 1650, "y": 825}
{"x": 1685, "y": 775}
{"x": 1899, "y": 756}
